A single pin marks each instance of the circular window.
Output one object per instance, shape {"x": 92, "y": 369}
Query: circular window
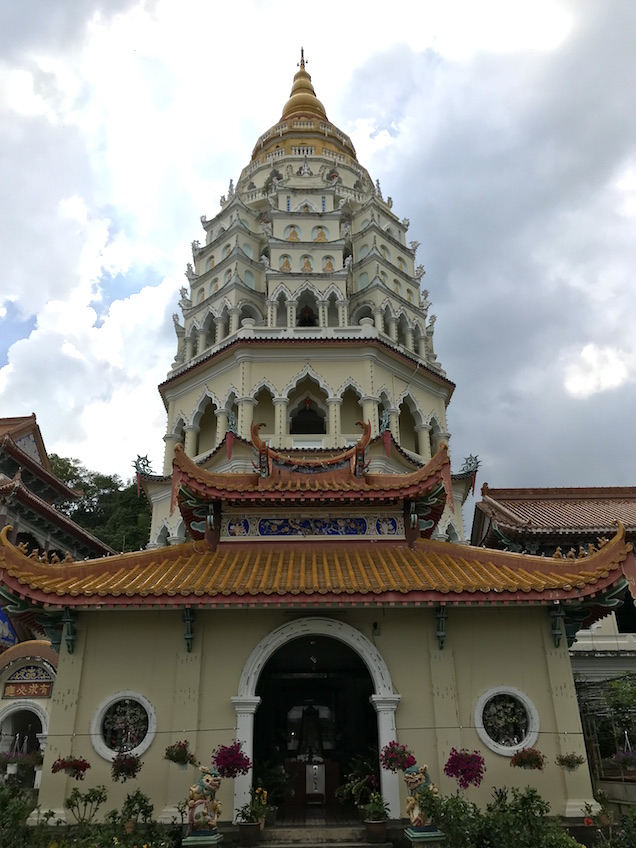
{"x": 506, "y": 720}
{"x": 124, "y": 722}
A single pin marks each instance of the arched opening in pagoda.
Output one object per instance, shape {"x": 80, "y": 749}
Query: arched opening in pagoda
{"x": 314, "y": 718}
{"x": 307, "y": 409}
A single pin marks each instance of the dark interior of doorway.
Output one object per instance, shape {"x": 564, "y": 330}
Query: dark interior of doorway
{"x": 314, "y": 710}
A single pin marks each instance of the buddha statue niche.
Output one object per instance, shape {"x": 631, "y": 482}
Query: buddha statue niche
{"x": 327, "y": 265}
{"x": 293, "y": 234}
{"x": 320, "y": 234}
{"x": 306, "y": 267}
{"x": 284, "y": 264}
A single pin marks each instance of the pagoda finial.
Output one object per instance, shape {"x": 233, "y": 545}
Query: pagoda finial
{"x": 301, "y": 64}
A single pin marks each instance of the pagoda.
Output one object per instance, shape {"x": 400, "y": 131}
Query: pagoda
{"x": 307, "y": 588}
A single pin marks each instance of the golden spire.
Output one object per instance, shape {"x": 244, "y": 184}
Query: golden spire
{"x": 303, "y": 100}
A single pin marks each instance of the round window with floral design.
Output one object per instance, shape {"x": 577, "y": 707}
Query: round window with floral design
{"x": 124, "y": 722}
{"x": 506, "y": 720}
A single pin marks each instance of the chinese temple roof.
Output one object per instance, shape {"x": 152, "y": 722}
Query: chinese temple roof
{"x": 41, "y": 511}
{"x": 556, "y": 511}
{"x": 318, "y": 574}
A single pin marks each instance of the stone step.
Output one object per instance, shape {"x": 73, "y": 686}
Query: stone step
{"x": 348, "y": 835}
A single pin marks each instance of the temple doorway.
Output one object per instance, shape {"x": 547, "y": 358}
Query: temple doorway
{"x": 314, "y": 717}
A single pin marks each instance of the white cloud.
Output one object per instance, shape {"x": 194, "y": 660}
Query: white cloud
{"x": 598, "y": 369}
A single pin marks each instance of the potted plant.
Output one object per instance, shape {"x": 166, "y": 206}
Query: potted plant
{"x": 229, "y": 760}
{"x": 180, "y": 753}
{"x": 74, "y": 767}
{"x": 569, "y": 762}
{"x": 125, "y": 766}
{"x": 376, "y": 812}
{"x": 360, "y": 781}
{"x": 251, "y": 816}
{"x": 467, "y": 767}
{"x": 528, "y": 758}
{"x": 396, "y": 757}
{"x": 15, "y": 760}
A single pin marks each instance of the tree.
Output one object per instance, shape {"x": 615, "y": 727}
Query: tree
{"x": 107, "y": 507}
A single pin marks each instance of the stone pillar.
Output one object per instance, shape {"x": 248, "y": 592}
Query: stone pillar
{"x": 445, "y": 707}
{"x": 323, "y": 319}
{"x": 234, "y": 319}
{"x": 421, "y": 346}
{"x": 221, "y": 424}
{"x": 271, "y": 312}
{"x": 291, "y": 312}
{"x": 190, "y": 446}
{"x": 378, "y": 318}
{"x": 245, "y": 709}
{"x": 370, "y": 413}
{"x": 187, "y": 683}
{"x": 280, "y": 420}
{"x": 203, "y": 340}
{"x": 245, "y": 412}
{"x": 343, "y": 313}
{"x": 408, "y": 332}
{"x": 171, "y": 440}
{"x": 334, "y": 429}
{"x": 423, "y": 440}
{"x": 394, "y": 423}
{"x": 218, "y": 323}
{"x": 189, "y": 348}
{"x": 393, "y": 328}
{"x": 385, "y": 707}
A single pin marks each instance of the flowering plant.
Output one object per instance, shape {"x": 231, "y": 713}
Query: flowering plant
{"x": 256, "y": 808}
{"x": 180, "y": 753}
{"x": 569, "y": 761}
{"x": 466, "y": 767}
{"x": 528, "y": 758}
{"x": 125, "y": 766}
{"x": 75, "y": 767}
{"x": 395, "y": 757}
{"x": 229, "y": 760}
{"x": 376, "y": 807}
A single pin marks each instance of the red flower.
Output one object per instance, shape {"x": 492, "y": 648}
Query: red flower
{"x": 588, "y": 822}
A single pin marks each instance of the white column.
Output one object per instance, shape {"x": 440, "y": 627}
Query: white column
{"x": 370, "y": 413}
{"x": 271, "y": 313}
{"x": 421, "y": 345}
{"x": 394, "y": 423}
{"x": 334, "y": 404}
{"x": 408, "y": 332}
{"x": 423, "y": 440}
{"x": 191, "y": 433}
{"x": 219, "y": 329}
{"x": 245, "y": 709}
{"x": 280, "y": 418}
{"x": 203, "y": 340}
{"x": 291, "y": 312}
{"x": 234, "y": 319}
{"x": 221, "y": 424}
{"x": 322, "y": 313}
{"x": 343, "y": 313}
{"x": 189, "y": 348}
{"x": 170, "y": 439}
{"x": 393, "y": 328}
{"x": 245, "y": 412}
{"x": 378, "y": 318}
{"x": 385, "y": 707}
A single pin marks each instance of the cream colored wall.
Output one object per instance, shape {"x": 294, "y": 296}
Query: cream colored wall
{"x": 146, "y": 652}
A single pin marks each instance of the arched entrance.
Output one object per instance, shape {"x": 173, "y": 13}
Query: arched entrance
{"x": 360, "y": 654}
{"x": 24, "y": 726}
{"x": 314, "y": 717}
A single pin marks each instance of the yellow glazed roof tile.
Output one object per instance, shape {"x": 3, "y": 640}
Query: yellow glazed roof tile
{"x": 266, "y": 570}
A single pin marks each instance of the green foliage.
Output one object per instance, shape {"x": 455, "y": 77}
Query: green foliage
{"x": 522, "y": 813}
{"x": 14, "y": 809}
{"x": 610, "y": 830}
{"x": 621, "y": 698}
{"x": 83, "y": 806}
{"x": 361, "y": 780}
{"x": 108, "y": 507}
{"x": 376, "y": 808}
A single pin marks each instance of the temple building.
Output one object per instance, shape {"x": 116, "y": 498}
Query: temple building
{"x": 308, "y": 588}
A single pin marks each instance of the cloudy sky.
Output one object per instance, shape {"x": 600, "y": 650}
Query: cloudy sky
{"x": 505, "y": 131}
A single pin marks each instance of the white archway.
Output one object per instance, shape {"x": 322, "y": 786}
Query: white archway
{"x": 384, "y": 699}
